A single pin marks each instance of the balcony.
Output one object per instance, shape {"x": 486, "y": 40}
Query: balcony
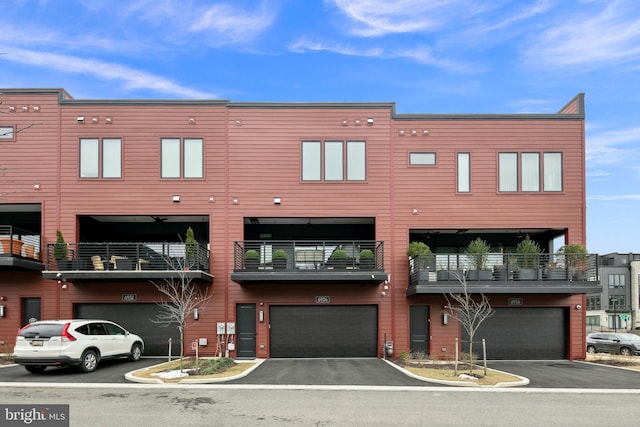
{"x": 310, "y": 262}
{"x": 20, "y": 249}
{"x": 93, "y": 261}
{"x": 504, "y": 273}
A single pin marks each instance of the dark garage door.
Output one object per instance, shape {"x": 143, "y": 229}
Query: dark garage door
{"x": 136, "y": 318}
{"x": 523, "y": 333}
{"x": 324, "y": 331}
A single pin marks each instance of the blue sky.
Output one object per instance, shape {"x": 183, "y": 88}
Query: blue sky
{"x": 447, "y": 56}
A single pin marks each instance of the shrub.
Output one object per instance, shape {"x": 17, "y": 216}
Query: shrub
{"x": 60, "y": 248}
{"x": 279, "y": 254}
{"x": 251, "y": 254}
{"x": 418, "y": 248}
{"x": 366, "y": 254}
{"x": 339, "y": 254}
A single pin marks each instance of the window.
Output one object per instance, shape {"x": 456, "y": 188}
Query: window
{"x": 616, "y": 280}
{"x": 181, "y": 158}
{"x": 593, "y": 302}
{"x": 422, "y": 159}
{"x": 617, "y": 302}
{"x": 552, "y": 171}
{"x": 508, "y": 171}
{"x": 464, "y": 172}
{"x": 100, "y": 158}
{"x": 528, "y": 169}
{"x": 333, "y": 160}
{"x": 6, "y": 132}
{"x": 593, "y": 320}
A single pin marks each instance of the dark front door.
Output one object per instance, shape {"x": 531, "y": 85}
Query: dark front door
{"x": 246, "y": 330}
{"x": 30, "y": 310}
{"x": 419, "y": 329}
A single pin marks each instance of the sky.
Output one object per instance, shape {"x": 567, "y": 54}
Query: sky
{"x": 427, "y": 56}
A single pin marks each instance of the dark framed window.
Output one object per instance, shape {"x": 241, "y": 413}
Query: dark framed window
{"x": 100, "y": 158}
{"x": 333, "y": 161}
{"x": 182, "y": 158}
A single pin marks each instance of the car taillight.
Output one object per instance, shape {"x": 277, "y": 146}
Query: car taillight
{"x": 66, "y": 336}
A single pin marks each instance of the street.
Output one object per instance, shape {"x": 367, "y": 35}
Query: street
{"x": 144, "y": 405}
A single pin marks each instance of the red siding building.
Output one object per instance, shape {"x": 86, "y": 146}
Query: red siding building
{"x": 339, "y": 190}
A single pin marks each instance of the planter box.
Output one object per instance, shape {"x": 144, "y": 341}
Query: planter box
{"x": 475, "y": 275}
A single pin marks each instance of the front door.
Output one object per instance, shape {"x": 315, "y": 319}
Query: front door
{"x": 30, "y": 310}
{"x": 246, "y": 330}
{"x": 419, "y": 329}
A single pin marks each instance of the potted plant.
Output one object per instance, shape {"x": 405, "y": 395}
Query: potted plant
{"x": 338, "y": 259}
{"x": 251, "y": 259}
{"x": 420, "y": 255}
{"x": 190, "y": 248}
{"x": 60, "y": 252}
{"x": 528, "y": 258}
{"x": 279, "y": 258}
{"x": 576, "y": 259}
{"x": 366, "y": 259}
{"x": 478, "y": 253}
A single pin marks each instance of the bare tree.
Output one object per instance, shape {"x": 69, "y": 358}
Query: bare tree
{"x": 182, "y": 297}
{"x": 469, "y": 311}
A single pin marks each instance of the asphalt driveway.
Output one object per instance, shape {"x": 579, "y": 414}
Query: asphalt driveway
{"x": 570, "y": 374}
{"x": 365, "y": 372}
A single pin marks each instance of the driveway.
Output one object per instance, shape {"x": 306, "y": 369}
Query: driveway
{"x": 570, "y": 374}
{"x": 359, "y": 372}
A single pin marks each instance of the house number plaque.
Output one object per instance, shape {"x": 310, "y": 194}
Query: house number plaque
{"x": 323, "y": 300}
{"x": 516, "y": 301}
{"x": 129, "y": 297}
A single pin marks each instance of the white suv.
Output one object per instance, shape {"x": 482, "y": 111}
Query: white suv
{"x": 81, "y": 343}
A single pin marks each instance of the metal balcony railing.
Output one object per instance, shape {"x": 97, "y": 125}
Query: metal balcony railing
{"x": 503, "y": 267}
{"x": 19, "y": 242}
{"x": 301, "y": 255}
{"x": 114, "y": 256}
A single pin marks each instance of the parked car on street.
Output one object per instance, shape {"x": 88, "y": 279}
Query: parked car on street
{"x": 617, "y": 343}
{"x": 81, "y": 343}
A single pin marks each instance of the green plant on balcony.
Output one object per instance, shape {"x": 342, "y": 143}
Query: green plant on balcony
{"x": 190, "y": 246}
{"x": 576, "y": 258}
{"x": 279, "y": 258}
{"x": 420, "y": 255}
{"x": 366, "y": 259}
{"x": 60, "y": 247}
{"x": 338, "y": 258}
{"x": 528, "y": 258}
{"x": 251, "y": 259}
{"x": 478, "y": 253}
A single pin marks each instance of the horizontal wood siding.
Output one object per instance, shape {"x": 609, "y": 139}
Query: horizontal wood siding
{"x": 253, "y": 154}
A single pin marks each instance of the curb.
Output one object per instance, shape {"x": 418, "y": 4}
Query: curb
{"x": 523, "y": 381}
{"x": 129, "y": 376}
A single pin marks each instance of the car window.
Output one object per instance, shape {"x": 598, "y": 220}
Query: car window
{"x": 42, "y": 330}
{"x": 84, "y": 329}
{"x": 114, "y": 329}
{"x": 595, "y": 336}
{"x": 96, "y": 329}
{"x": 630, "y": 337}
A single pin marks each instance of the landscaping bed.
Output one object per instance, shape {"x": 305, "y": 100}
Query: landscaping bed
{"x": 188, "y": 368}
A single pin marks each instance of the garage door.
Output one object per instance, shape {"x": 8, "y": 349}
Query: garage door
{"x": 523, "y": 334}
{"x": 323, "y": 331}
{"x": 137, "y": 318}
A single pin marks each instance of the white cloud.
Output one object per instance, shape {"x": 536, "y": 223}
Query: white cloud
{"x": 614, "y": 197}
{"x": 131, "y": 78}
{"x": 304, "y": 45}
{"x": 609, "y": 36}
{"x": 420, "y": 54}
{"x": 380, "y": 17}
{"x": 613, "y": 146}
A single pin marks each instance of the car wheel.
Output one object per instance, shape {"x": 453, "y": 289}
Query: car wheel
{"x": 591, "y": 349}
{"x": 625, "y": 351}
{"x": 136, "y": 352}
{"x": 35, "y": 369}
{"x": 89, "y": 361}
